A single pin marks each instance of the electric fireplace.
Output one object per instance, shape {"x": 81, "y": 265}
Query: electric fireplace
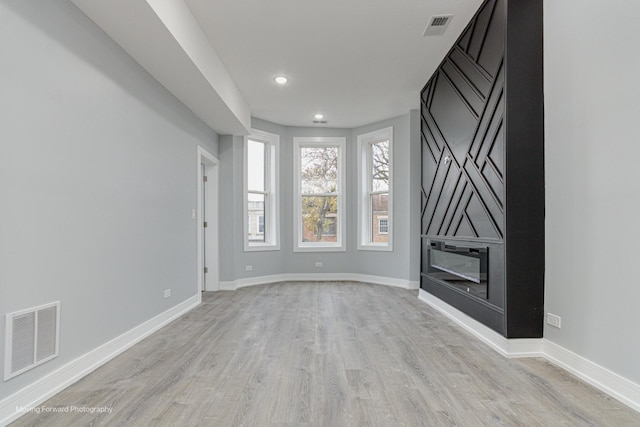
{"x": 462, "y": 267}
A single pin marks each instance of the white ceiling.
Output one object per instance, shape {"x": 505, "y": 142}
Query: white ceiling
{"x": 355, "y": 61}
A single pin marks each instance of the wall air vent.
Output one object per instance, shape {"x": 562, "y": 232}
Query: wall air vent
{"x": 32, "y": 337}
{"x": 437, "y": 25}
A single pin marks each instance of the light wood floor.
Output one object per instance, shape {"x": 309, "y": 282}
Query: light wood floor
{"x": 326, "y": 354}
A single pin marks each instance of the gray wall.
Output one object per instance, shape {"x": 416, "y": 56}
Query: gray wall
{"x": 398, "y": 262}
{"x": 592, "y": 176}
{"x": 401, "y": 263}
{"x": 97, "y": 181}
{"x": 233, "y": 259}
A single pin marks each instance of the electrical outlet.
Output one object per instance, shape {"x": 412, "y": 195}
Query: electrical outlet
{"x": 319, "y": 264}
{"x": 167, "y": 293}
{"x": 248, "y": 268}
{"x": 554, "y": 320}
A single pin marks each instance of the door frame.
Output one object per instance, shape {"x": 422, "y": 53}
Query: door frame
{"x": 210, "y": 247}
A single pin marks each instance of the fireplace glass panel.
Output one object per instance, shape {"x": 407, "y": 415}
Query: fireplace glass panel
{"x": 464, "y": 268}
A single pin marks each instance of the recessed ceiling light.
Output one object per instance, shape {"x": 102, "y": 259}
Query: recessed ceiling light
{"x": 318, "y": 116}
{"x": 281, "y": 80}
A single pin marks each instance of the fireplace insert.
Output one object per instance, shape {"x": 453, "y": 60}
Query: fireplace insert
{"x": 462, "y": 267}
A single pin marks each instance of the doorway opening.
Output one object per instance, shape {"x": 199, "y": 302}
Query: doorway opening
{"x": 207, "y": 219}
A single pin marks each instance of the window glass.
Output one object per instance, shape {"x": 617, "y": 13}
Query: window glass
{"x": 319, "y": 169}
{"x": 380, "y": 166}
{"x": 255, "y": 166}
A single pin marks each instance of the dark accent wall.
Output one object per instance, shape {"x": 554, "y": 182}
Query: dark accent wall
{"x": 483, "y": 163}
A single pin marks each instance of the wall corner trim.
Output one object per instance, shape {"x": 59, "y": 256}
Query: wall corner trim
{"x": 319, "y": 277}
{"x": 609, "y": 382}
{"x": 56, "y": 381}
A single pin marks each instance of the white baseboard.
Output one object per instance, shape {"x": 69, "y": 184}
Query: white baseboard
{"x": 598, "y": 376}
{"x": 233, "y": 285}
{"x": 603, "y": 379}
{"x": 511, "y": 348}
{"x": 44, "y": 388}
{"x": 318, "y": 277}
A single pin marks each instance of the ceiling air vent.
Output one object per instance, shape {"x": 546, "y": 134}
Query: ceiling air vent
{"x": 319, "y": 121}
{"x": 437, "y": 25}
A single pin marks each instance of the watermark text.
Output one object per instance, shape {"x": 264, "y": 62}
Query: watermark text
{"x": 69, "y": 409}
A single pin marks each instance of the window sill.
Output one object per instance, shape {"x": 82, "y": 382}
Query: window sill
{"x": 258, "y": 248}
{"x": 319, "y": 249}
{"x": 374, "y": 247}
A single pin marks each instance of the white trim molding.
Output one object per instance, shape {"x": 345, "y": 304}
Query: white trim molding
{"x": 47, "y": 386}
{"x": 511, "y": 348}
{"x": 318, "y": 277}
{"x": 614, "y": 385}
{"x": 609, "y": 382}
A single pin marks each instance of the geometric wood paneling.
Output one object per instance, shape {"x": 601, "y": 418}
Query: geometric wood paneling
{"x": 463, "y": 134}
{"x": 483, "y": 181}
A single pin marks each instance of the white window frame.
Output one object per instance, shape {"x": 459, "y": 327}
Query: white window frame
{"x": 340, "y": 243}
{"x": 272, "y": 193}
{"x": 365, "y": 220}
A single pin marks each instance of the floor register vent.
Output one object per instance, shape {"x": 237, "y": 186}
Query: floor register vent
{"x": 32, "y": 337}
